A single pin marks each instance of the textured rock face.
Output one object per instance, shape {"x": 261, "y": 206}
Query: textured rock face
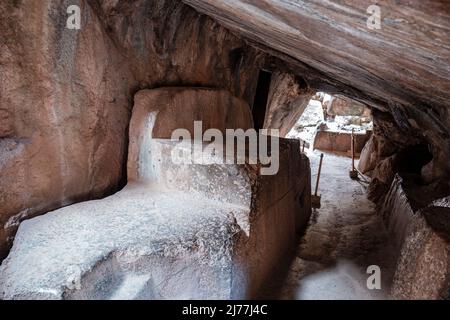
{"x": 340, "y": 141}
{"x": 178, "y": 107}
{"x": 382, "y": 177}
{"x": 315, "y": 32}
{"x": 368, "y": 159}
{"x": 403, "y": 69}
{"x": 66, "y": 95}
{"x": 423, "y": 265}
{"x": 340, "y": 106}
{"x": 65, "y": 111}
{"x": 288, "y": 98}
{"x": 186, "y": 231}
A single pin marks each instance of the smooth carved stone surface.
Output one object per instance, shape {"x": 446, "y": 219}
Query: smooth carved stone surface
{"x": 176, "y": 231}
{"x": 93, "y": 249}
{"x": 177, "y": 108}
{"x": 368, "y": 158}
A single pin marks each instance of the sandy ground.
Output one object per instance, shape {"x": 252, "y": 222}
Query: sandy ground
{"x": 343, "y": 239}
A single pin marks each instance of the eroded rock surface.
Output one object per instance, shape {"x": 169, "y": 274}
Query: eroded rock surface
{"x": 423, "y": 265}
{"x": 288, "y": 98}
{"x": 66, "y": 96}
{"x": 316, "y": 33}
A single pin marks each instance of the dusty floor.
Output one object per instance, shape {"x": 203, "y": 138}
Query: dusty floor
{"x": 345, "y": 236}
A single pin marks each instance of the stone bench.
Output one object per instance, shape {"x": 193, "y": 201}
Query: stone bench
{"x": 175, "y": 231}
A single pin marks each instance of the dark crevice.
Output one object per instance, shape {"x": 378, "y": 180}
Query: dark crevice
{"x": 261, "y": 98}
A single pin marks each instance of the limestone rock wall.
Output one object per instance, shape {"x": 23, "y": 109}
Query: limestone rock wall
{"x": 420, "y": 238}
{"x": 66, "y": 95}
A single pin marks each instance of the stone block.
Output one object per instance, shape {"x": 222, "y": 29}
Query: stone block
{"x": 188, "y": 231}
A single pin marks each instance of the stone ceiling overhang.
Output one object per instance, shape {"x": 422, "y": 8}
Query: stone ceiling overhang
{"x": 405, "y": 62}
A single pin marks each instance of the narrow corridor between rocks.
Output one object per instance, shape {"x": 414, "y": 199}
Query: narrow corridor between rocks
{"x": 344, "y": 237}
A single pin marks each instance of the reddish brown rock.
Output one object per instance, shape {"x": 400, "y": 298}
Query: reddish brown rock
{"x": 334, "y": 39}
{"x": 403, "y": 69}
{"x": 177, "y": 230}
{"x": 178, "y": 108}
{"x": 70, "y": 114}
{"x": 340, "y": 141}
{"x": 368, "y": 159}
{"x": 382, "y": 177}
{"x": 341, "y": 106}
{"x": 66, "y": 95}
{"x": 6, "y": 123}
{"x": 288, "y": 98}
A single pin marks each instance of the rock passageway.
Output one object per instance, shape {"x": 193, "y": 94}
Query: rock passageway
{"x": 343, "y": 238}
